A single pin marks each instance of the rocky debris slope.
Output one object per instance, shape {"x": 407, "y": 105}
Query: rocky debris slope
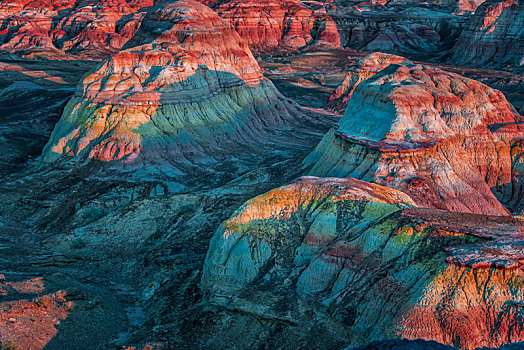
{"x": 24, "y": 130}
{"x": 187, "y": 96}
{"x": 66, "y": 28}
{"x": 355, "y": 262}
{"x": 494, "y": 37}
{"x": 365, "y": 68}
{"x": 270, "y": 25}
{"x": 446, "y": 140}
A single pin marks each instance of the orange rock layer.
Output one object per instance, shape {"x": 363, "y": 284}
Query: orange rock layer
{"x": 29, "y": 319}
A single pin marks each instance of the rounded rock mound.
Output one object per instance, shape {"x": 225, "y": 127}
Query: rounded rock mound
{"x": 353, "y": 262}
{"x": 445, "y": 140}
{"x": 185, "y": 96}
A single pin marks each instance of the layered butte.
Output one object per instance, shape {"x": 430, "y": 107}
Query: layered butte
{"x": 365, "y": 68}
{"x": 445, "y": 140}
{"x": 66, "y": 28}
{"x": 269, "y": 25}
{"x": 494, "y": 37}
{"x": 186, "y": 93}
{"x": 95, "y": 28}
{"x": 350, "y": 262}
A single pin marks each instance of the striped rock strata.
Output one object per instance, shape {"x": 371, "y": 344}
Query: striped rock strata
{"x": 270, "y": 25}
{"x": 66, "y": 28}
{"x": 356, "y": 262}
{"x": 445, "y": 140}
{"x": 494, "y": 37}
{"x": 187, "y": 93}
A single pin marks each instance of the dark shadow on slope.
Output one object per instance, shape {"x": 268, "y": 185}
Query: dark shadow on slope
{"x": 404, "y": 24}
{"x": 28, "y": 114}
{"x": 308, "y": 95}
{"x": 50, "y": 74}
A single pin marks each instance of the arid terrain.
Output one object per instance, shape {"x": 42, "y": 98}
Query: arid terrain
{"x": 272, "y": 174}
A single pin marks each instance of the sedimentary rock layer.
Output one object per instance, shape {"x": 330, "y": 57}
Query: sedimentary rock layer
{"x": 446, "y": 140}
{"x": 187, "y": 92}
{"x": 458, "y": 7}
{"x": 95, "y": 28}
{"x": 362, "y": 262}
{"x": 270, "y": 25}
{"x": 397, "y": 28}
{"x": 57, "y": 29}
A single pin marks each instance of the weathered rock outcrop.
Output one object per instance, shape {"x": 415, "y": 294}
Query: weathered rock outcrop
{"x": 95, "y": 28}
{"x": 458, "y": 7}
{"x": 365, "y": 68}
{"x": 445, "y": 140}
{"x": 57, "y": 29}
{"x": 356, "y": 262}
{"x": 186, "y": 95}
{"x": 494, "y": 37}
{"x": 467, "y": 6}
{"x": 414, "y": 29}
{"x": 270, "y": 25}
